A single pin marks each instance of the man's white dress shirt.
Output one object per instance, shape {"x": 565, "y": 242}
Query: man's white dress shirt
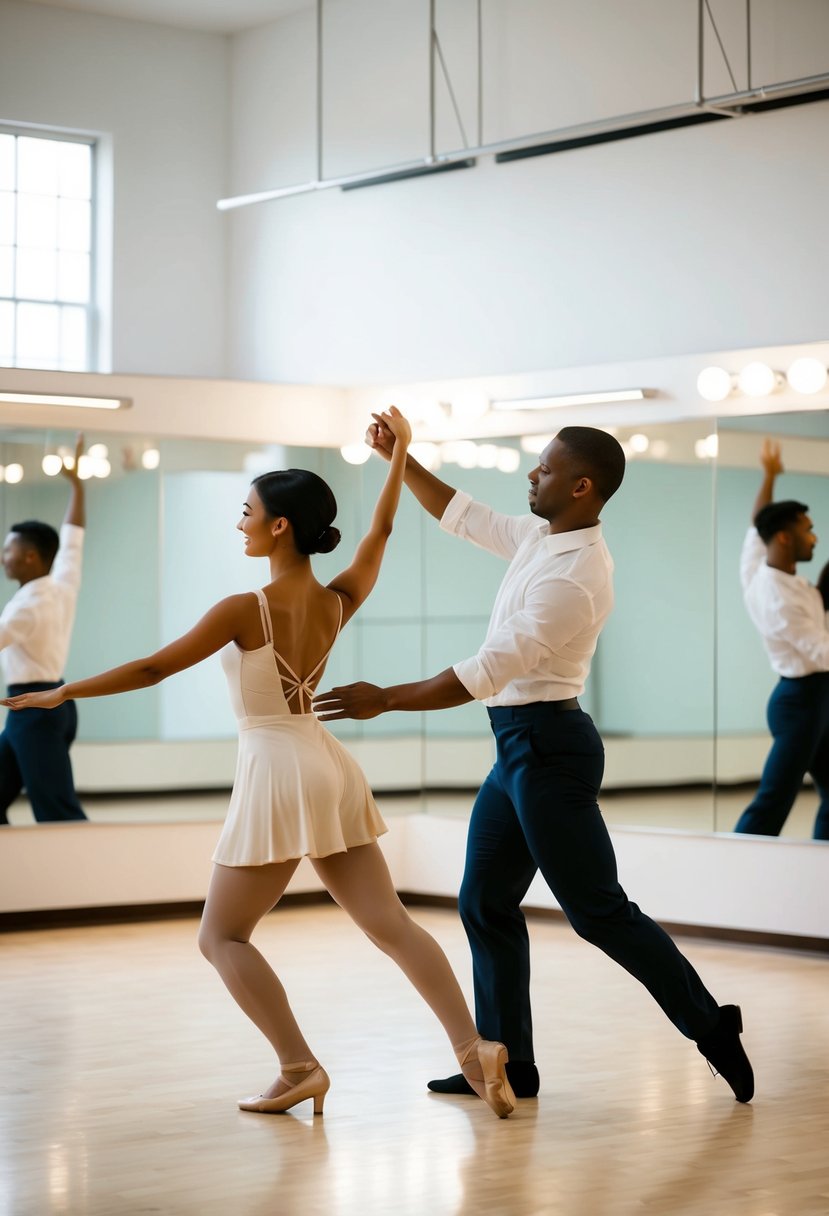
{"x": 787, "y": 611}
{"x": 551, "y": 605}
{"x": 36, "y": 624}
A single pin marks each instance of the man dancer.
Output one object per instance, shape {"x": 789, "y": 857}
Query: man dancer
{"x": 790, "y": 616}
{"x": 35, "y": 632}
{"x": 537, "y": 809}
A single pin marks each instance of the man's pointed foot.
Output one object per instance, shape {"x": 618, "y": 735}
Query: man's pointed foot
{"x": 725, "y": 1055}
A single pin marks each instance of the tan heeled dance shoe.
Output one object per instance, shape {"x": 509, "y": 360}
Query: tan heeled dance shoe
{"x": 489, "y": 1059}
{"x": 314, "y": 1085}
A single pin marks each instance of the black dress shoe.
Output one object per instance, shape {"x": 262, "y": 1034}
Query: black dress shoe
{"x": 521, "y": 1074}
{"x": 724, "y": 1052}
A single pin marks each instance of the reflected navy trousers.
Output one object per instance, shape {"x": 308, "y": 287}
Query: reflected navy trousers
{"x": 798, "y": 718}
{"x": 34, "y": 753}
{"x": 538, "y": 810}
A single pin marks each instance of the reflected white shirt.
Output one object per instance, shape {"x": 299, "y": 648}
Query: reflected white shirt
{"x": 787, "y": 612}
{"x": 36, "y": 624}
{"x": 549, "y": 610}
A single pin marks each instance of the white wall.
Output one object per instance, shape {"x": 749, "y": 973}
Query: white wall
{"x": 159, "y": 97}
{"x": 689, "y": 240}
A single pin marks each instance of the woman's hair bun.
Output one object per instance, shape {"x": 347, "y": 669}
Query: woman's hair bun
{"x": 328, "y": 540}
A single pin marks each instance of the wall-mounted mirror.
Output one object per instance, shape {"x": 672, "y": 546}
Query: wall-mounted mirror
{"x": 745, "y": 679}
{"x": 162, "y": 547}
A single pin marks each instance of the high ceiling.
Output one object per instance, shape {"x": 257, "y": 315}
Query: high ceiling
{"x": 216, "y": 16}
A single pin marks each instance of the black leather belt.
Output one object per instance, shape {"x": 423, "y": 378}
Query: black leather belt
{"x": 570, "y": 703}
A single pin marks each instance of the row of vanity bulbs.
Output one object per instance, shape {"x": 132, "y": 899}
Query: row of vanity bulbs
{"x": 94, "y": 463}
{"x": 757, "y": 379}
{"x": 465, "y": 453}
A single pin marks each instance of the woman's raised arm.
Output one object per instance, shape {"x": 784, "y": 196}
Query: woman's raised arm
{"x": 357, "y": 582}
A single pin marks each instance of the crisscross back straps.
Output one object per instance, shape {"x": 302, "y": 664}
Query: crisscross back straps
{"x": 292, "y": 684}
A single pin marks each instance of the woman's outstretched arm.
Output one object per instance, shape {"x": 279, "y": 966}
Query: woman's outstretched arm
{"x": 357, "y": 582}
{"x": 216, "y": 628}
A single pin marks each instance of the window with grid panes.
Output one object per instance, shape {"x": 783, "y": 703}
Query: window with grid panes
{"x": 46, "y": 247}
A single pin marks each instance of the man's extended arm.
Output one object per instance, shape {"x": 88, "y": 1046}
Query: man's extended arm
{"x": 772, "y": 462}
{"x": 443, "y": 691}
{"x": 76, "y": 510}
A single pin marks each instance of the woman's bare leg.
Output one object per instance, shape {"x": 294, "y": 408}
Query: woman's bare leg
{"x": 237, "y": 899}
{"x": 360, "y": 882}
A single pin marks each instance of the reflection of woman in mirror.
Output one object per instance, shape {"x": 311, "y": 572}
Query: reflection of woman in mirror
{"x": 790, "y": 616}
{"x": 35, "y": 632}
{"x": 297, "y": 791}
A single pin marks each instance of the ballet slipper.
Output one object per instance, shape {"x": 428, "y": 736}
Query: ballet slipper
{"x": 483, "y": 1063}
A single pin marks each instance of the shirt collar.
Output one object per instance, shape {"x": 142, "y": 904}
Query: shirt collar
{"x": 566, "y": 542}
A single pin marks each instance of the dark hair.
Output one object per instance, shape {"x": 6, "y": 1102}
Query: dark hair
{"x": 778, "y": 517}
{"x": 597, "y": 455}
{"x": 307, "y": 502}
{"x": 41, "y": 537}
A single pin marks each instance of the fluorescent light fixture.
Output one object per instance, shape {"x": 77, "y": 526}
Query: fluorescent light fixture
{"x": 550, "y": 403}
{"x": 74, "y": 402}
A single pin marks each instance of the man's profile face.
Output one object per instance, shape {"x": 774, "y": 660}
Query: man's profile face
{"x": 552, "y": 482}
{"x": 804, "y": 538}
{"x": 16, "y": 557}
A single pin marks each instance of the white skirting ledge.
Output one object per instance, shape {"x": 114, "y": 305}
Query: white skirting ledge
{"x": 719, "y": 881}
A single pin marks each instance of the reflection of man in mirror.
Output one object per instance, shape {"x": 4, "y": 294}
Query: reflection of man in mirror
{"x": 35, "y": 632}
{"x": 538, "y": 808}
{"x": 790, "y": 616}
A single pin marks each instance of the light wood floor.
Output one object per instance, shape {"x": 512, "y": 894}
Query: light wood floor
{"x": 122, "y": 1054}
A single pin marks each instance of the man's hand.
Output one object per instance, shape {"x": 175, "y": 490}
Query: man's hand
{"x": 71, "y": 472}
{"x": 50, "y": 699}
{"x": 380, "y": 436}
{"x": 352, "y": 701}
{"x": 771, "y": 458}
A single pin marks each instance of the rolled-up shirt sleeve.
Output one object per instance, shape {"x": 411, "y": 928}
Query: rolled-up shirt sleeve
{"x": 478, "y": 523}
{"x": 66, "y": 568}
{"x": 554, "y": 612}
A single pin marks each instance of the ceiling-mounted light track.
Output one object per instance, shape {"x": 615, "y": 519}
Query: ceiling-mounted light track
{"x": 558, "y": 402}
{"x": 73, "y": 401}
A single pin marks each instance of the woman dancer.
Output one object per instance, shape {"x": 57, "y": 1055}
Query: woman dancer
{"x": 297, "y": 791}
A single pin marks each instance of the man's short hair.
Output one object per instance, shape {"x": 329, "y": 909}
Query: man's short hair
{"x": 598, "y": 456}
{"x": 41, "y": 537}
{"x": 778, "y": 517}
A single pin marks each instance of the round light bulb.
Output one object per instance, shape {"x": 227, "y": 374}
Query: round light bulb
{"x": 151, "y": 459}
{"x": 807, "y": 375}
{"x": 757, "y": 379}
{"x": 488, "y": 455}
{"x": 659, "y": 449}
{"x": 508, "y": 461}
{"x": 714, "y": 383}
{"x": 86, "y": 468}
{"x": 14, "y": 473}
{"x": 51, "y": 464}
{"x": 427, "y": 454}
{"x": 98, "y": 451}
{"x": 707, "y": 448}
{"x": 100, "y": 466}
{"x": 639, "y": 443}
{"x": 355, "y": 453}
{"x": 534, "y": 444}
